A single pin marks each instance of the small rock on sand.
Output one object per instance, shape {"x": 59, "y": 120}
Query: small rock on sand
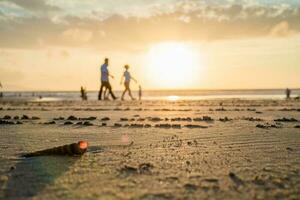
{"x": 117, "y": 125}
{"x": 7, "y": 117}
{"x": 105, "y": 119}
{"x": 87, "y": 123}
{"x": 286, "y": 120}
{"x": 194, "y": 126}
{"x": 25, "y": 117}
{"x": 72, "y": 118}
{"x": 48, "y": 123}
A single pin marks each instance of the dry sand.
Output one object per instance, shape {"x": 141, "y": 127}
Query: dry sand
{"x": 217, "y": 149}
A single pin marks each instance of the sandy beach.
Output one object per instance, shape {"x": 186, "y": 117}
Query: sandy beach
{"x": 206, "y": 149}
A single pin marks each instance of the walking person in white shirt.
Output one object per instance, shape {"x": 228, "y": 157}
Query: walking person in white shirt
{"x": 105, "y": 80}
{"x": 127, "y": 78}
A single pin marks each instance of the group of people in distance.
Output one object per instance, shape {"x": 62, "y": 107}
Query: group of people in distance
{"x": 106, "y": 87}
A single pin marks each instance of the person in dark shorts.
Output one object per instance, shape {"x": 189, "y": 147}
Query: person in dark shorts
{"x": 127, "y": 78}
{"x": 105, "y": 80}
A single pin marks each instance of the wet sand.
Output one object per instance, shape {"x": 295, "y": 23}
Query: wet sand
{"x": 214, "y": 149}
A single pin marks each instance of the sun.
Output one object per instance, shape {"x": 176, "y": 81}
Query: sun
{"x": 173, "y": 65}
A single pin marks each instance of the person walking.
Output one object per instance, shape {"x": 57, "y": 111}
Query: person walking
{"x": 127, "y": 76}
{"x": 105, "y": 80}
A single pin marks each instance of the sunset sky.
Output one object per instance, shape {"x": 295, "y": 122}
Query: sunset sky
{"x": 169, "y": 44}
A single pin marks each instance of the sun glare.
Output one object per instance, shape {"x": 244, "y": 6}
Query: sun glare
{"x": 173, "y": 65}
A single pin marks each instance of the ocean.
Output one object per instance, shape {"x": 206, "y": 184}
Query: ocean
{"x": 171, "y": 95}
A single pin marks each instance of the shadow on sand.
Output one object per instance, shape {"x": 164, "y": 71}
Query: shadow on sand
{"x": 32, "y": 175}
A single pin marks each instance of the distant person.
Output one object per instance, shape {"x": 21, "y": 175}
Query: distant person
{"x": 83, "y": 94}
{"x": 127, "y": 76}
{"x": 140, "y": 92}
{"x": 1, "y": 94}
{"x": 288, "y": 93}
{"x": 105, "y": 80}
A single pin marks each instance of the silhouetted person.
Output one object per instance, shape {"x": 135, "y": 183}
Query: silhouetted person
{"x": 1, "y": 94}
{"x": 140, "y": 92}
{"x": 83, "y": 94}
{"x": 105, "y": 80}
{"x": 288, "y": 93}
{"x": 127, "y": 78}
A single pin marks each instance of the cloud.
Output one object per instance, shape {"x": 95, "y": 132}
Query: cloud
{"x": 184, "y": 18}
{"x": 77, "y": 35}
{"x": 281, "y": 29}
{"x": 35, "y": 5}
{"x": 134, "y": 26}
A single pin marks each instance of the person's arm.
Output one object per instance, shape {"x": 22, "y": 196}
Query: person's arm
{"x": 110, "y": 75}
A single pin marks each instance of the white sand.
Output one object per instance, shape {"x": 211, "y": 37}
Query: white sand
{"x": 226, "y": 160}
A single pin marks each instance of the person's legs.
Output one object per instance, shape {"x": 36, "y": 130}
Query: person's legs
{"x": 129, "y": 91}
{"x": 125, "y": 90}
{"x": 110, "y": 91}
{"x": 100, "y": 92}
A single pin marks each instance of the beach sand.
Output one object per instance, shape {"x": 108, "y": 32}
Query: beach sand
{"x": 208, "y": 149}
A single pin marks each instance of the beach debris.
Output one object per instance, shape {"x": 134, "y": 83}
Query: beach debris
{"x": 105, "y": 119}
{"x": 6, "y": 122}
{"x": 128, "y": 170}
{"x": 252, "y": 119}
{"x": 194, "y": 126}
{"x": 286, "y": 120}
{"x": 87, "y": 123}
{"x": 6, "y": 117}
{"x": 89, "y": 118}
{"x": 117, "y": 125}
{"x": 72, "y": 118}
{"x": 68, "y": 123}
{"x": 147, "y": 125}
{"x": 289, "y": 149}
{"x": 145, "y": 168}
{"x": 267, "y": 125}
{"x": 163, "y": 126}
{"x": 185, "y": 119}
{"x": 24, "y": 117}
{"x": 136, "y": 125}
{"x": 73, "y": 149}
{"x": 176, "y": 126}
{"x": 59, "y": 118}
{"x": 155, "y": 119}
{"x": 204, "y": 118}
{"x": 225, "y": 119}
{"x": 238, "y": 181}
